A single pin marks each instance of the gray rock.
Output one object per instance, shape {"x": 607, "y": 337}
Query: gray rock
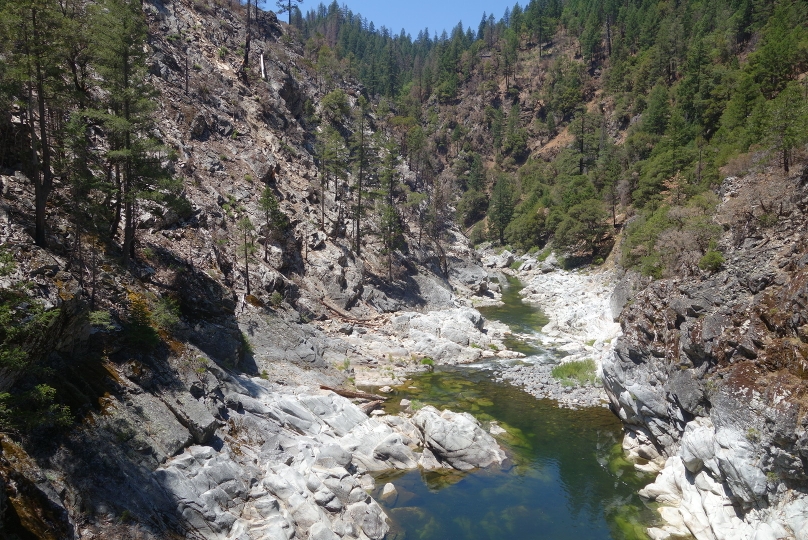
{"x": 457, "y": 439}
{"x": 193, "y": 415}
{"x": 320, "y": 531}
{"x": 199, "y": 127}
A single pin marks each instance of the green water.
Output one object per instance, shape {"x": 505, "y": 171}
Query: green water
{"x": 565, "y": 479}
{"x": 523, "y": 319}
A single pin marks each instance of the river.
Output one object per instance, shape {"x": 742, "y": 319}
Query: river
{"x": 566, "y": 477}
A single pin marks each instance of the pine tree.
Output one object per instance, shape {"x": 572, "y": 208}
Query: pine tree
{"x": 787, "y": 120}
{"x": 390, "y": 220}
{"x": 285, "y": 6}
{"x": 360, "y": 151}
{"x": 247, "y": 38}
{"x": 119, "y": 33}
{"x": 500, "y": 209}
{"x": 274, "y": 218}
{"x": 33, "y": 29}
{"x": 247, "y": 247}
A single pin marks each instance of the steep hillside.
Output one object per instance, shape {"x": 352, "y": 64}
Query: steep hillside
{"x": 200, "y": 268}
{"x": 709, "y": 376}
{"x": 563, "y": 120}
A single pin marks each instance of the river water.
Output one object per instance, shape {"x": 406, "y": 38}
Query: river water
{"x": 565, "y": 478}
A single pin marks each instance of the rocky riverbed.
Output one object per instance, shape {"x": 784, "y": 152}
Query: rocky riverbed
{"x": 581, "y": 324}
{"x": 537, "y": 380}
{"x": 297, "y": 463}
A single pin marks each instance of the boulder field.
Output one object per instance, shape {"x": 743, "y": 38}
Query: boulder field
{"x": 303, "y": 467}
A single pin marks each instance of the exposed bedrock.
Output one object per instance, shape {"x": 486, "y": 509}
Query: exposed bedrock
{"x": 709, "y": 379}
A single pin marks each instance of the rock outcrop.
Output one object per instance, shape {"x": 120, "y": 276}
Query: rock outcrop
{"x": 457, "y": 439}
{"x": 299, "y": 464}
{"x": 709, "y": 379}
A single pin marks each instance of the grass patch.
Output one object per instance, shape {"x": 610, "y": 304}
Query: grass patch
{"x": 577, "y": 372}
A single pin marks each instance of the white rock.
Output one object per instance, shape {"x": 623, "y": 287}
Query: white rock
{"x": 406, "y": 405}
{"x": 457, "y": 439}
{"x": 389, "y": 491}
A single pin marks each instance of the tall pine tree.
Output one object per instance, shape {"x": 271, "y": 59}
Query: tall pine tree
{"x": 119, "y": 33}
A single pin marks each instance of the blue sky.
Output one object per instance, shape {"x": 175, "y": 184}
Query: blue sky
{"x": 415, "y": 15}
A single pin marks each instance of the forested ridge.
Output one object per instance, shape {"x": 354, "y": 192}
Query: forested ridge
{"x": 644, "y": 102}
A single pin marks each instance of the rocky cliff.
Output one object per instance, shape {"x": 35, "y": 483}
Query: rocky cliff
{"x": 709, "y": 376}
{"x": 165, "y": 401}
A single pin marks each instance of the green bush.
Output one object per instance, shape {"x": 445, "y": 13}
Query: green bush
{"x": 101, "y": 319}
{"x": 139, "y": 330}
{"x": 335, "y": 105}
{"x": 165, "y": 314}
{"x": 712, "y": 261}
{"x": 246, "y": 345}
{"x": 35, "y": 409}
{"x": 477, "y": 234}
{"x": 7, "y": 263}
{"x": 21, "y": 320}
{"x": 576, "y": 372}
{"x": 471, "y": 207}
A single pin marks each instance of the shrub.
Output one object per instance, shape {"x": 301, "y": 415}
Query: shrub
{"x": 576, "y": 372}
{"x": 471, "y": 207}
{"x": 335, "y": 105}
{"x": 7, "y": 263}
{"x": 477, "y": 234}
{"x": 21, "y": 322}
{"x": 139, "y": 329}
{"x": 166, "y": 314}
{"x": 101, "y": 319}
{"x": 247, "y": 350}
{"x": 35, "y": 409}
{"x": 712, "y": 261}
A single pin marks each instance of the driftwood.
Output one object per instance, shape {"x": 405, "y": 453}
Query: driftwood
{"x": 367, "y": 407}
{"x": 352, "y": 394}
{"x": 346, "y": 317}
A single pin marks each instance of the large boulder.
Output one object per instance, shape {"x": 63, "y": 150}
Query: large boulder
{"x": 457, "y": 439}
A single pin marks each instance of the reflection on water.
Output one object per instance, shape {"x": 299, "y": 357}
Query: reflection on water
{"x": 566, "y": 478}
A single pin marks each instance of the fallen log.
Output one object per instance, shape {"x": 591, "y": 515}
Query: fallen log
{"x": 367, "y": 407}
{"x": 352, "y": 394}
